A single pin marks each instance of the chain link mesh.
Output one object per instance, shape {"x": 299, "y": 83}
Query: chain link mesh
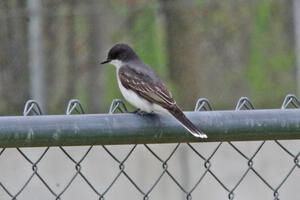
{"x": 193, "y": 171}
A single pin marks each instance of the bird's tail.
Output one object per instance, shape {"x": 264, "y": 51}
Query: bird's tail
{"x": 186, "y": 123}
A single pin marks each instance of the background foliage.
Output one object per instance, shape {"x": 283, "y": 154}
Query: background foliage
{"x": 216, "y": 49}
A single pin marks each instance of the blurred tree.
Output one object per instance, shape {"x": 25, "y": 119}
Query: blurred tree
{"x": 271, "y": 66}
{"x": 36, "y": 54}
{"x": 182, "y": 49}
{"x": 95, "y": 82}
{"x": 146, "y": 33}
{"x": 216, "y": 49}
{"x": 50, "y": 42}
{"x": 74, "y": 70}
{"x": 60, "y": 53}
{"x": 296, "y": 15}
{"x": 213, "y": 45}
{"x": 14, "y": 74}
{"x": 72, "y": 66}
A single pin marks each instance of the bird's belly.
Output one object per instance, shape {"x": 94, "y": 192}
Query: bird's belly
{"x": 135, "y": 99}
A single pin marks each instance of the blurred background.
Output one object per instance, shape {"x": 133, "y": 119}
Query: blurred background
{"x": 50, "y": 51}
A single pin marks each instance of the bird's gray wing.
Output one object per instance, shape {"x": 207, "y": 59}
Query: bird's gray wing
{"x": 148, "y": 86}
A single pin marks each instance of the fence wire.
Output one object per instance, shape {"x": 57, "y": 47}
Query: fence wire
{"x": 194, "y": 189}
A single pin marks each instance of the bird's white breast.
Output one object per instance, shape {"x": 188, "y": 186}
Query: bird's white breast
{"x": 133, "y": 98}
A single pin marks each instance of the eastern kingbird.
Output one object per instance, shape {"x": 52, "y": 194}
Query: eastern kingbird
{"x": 141, "y": 87}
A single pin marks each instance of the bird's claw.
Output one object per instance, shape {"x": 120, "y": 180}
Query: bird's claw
{"x": 140, "y": 112}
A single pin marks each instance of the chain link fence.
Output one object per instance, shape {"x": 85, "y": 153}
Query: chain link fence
{"x": 222, "y": 170}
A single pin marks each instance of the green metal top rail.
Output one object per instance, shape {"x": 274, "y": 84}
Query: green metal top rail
{"x": 126, "y": 128}
{"x": 87, "y": 129}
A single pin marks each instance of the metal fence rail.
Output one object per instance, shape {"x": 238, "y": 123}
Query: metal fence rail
{"x": 59, "y": 130}
{"x": 107, "y": 129}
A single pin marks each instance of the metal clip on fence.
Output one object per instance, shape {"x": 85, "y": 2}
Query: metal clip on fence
{"x": 74, "y": 105}
{"x": 32, "y": 107}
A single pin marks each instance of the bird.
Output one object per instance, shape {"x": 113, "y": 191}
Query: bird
{"x": 143, "y": 88}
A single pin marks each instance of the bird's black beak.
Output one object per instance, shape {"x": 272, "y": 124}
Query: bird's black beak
{"x": 104, "y": 62}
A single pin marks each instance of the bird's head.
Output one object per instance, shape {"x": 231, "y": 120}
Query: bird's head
{"x": 120, "y": 53}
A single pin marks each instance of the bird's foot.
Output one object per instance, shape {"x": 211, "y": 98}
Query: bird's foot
{"x": 135, "y": 111}
{"x": 140, "y": 112}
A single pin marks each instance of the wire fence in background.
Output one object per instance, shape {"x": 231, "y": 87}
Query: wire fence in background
{"x": 190, "y": 183}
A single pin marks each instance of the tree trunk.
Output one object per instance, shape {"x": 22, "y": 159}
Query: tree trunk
{"x": 36, "y": 54}
{"x": 95, "y": 81}
{"x": 182, "y": 49}
{"x": 13, "y": 62}
{"x": 296, "y": 12}
{"x": 72, "y": 69}
{"x": 51, "y": 35}
{"x": 207, "y": 51}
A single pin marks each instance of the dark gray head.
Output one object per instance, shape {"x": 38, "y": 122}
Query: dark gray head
{"x": 120, "y": 52}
